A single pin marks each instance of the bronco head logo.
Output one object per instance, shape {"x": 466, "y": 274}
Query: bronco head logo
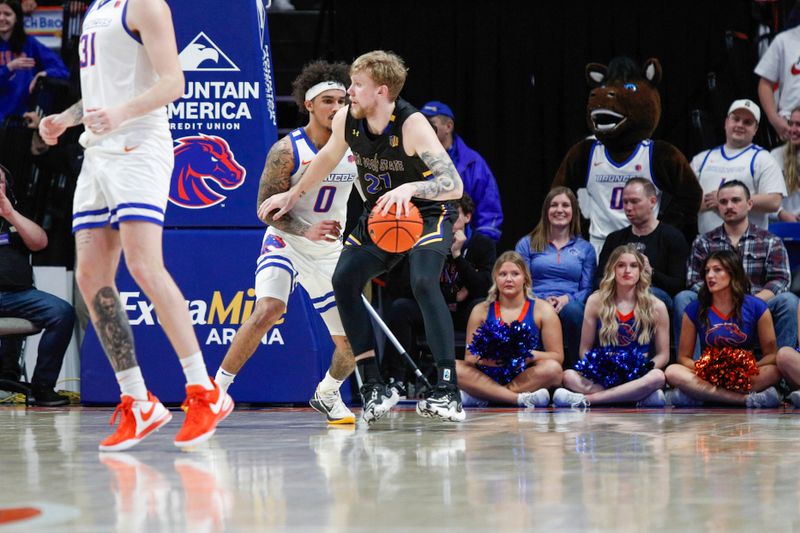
{"x": 725, "y": 334}
{"x": 201, "y": 158}
{"x": 626, "y": 335}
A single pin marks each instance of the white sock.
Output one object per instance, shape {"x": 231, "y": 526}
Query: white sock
{"x": 131, "y": 383}
{"x": 329, "y": 383}
{"x": 224, "y": 379}
{"x": 194, "y": 368}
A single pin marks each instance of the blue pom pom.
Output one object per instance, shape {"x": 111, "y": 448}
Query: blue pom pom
{"x": 507, "y": 345}
{"x": 610, "y": 366}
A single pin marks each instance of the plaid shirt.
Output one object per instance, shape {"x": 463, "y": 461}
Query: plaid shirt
{"x": 765, "y": 260}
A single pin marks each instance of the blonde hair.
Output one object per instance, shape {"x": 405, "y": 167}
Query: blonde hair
{"x": 384, "y": 68}
{"x": 790, "y": 164}
{"x": 516, "y": 259}
{"x": 643, "y": 310}
{"x": 540, "y": 235}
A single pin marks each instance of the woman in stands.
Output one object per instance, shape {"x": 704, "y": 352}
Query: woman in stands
{"x": 624, "y": 342}
{"x": 562, "y": 264}
{"x": 731, "y": 324}
{"x": 23, "y": 60}
{"x": 525, "y": 382}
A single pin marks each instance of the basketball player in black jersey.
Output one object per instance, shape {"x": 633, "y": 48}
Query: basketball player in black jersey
{"x": 399, "y": 158}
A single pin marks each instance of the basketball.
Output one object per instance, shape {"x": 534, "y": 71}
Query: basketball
{"x": 392, "y": 234}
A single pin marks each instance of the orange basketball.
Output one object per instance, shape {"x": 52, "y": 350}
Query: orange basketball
{"x": 392, "y": 234}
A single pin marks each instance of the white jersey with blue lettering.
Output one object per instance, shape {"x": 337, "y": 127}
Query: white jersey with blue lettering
{"x": 605, "y": 180}
{"x": 114, "y": 65}
{"x": 752, "y": 165}
{"x": 326, "y": 201}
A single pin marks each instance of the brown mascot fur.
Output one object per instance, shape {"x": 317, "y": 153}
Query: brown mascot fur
{"x": 623, "y": 111}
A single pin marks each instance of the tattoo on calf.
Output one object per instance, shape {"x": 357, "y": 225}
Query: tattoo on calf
{"x": 445, "y": 179}
{"x": 114, "y": 330}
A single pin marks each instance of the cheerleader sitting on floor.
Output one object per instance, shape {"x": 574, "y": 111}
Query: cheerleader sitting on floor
{"x": 623, "y": 325}
{"x": 514, "y": 345}
{"x": 729, "y": 322}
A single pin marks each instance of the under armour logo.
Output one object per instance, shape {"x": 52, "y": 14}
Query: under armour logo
{"x": 355, "y": 133}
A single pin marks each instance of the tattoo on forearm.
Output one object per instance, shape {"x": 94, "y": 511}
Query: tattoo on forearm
{"x": 445, "y": 179}
{"x": 113, "y": 329}
{"x": 76, "y": 112}
{"x": 276, "y": 178}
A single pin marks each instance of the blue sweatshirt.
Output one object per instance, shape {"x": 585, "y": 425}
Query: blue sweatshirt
{"x": 14, "y": 85}
{"x": 481, "y": 186}
{"x": 569, "y": 270}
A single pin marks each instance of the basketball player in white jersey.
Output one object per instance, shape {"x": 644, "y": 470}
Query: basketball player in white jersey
{"x": 739, "y": 159}
{"x": 303, "y": 247}
{"x": 129, "y": 72}
{"x": 605, "y": 181}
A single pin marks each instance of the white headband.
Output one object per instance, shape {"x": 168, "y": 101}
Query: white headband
{"x": 323, "y": 86}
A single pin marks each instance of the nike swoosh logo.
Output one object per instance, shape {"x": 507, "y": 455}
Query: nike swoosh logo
{"x": 130, "y": 148}
{"x": 216, "y": 407}
{"x": 597, "y": 163}
{"x": 146, "y": 415}
{"x": 305, "y": 162}
{"x": 795, "y": 70}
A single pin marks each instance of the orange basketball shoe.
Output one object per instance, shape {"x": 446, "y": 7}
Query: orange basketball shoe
{"x": 138, "y": 418}
{"x": 204, "y": 410}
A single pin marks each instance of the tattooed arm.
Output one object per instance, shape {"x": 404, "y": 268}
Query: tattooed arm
{"x": 52, "y": 126}
{"x": 420, "y": 139}
{"x": 322, "y": 165}
{"x": 275, "y": 179}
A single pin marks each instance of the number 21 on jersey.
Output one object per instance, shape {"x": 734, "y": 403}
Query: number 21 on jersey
{"x": 86, "y": 50}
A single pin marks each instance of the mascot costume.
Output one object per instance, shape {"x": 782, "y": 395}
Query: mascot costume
{"x": 623, "y": 111}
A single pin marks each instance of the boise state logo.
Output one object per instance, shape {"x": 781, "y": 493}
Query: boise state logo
{"x": 626, "y": 335}
{"x": 200, "y": 159}
{"x": 725, "y": 334}
{"x": 272, "y": 243}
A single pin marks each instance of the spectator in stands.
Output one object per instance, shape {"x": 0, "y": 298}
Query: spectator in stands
{"x": 787, "y": 158}
{"x": 23, "y": 60}
{"x": 503, "y": 380}
{"x": 777, "y": 67}
{"x": 465, "y": 281}
{"x": 478, "y": 179}
{"x": 763, "y": 256}
{"x": 726, "y": 318}
{"x": 739, "y": 159}
{"x": 19, "y": 236}
{"x": 562, "y": 264}
{"x": 622, "y": 316}
{"x": 663, "y": 246}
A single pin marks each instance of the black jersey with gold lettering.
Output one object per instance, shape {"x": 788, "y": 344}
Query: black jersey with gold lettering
{"x": 381, "y": 160}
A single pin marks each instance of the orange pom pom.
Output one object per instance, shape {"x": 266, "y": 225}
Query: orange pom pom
{"x": 729, "y": 368}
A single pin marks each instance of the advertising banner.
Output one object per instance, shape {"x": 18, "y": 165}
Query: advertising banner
{"x": 215, "y": 270}
{"x": 225, "y": 122}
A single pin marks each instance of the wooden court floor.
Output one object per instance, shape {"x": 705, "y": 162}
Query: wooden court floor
{"x": 503, "y": 469}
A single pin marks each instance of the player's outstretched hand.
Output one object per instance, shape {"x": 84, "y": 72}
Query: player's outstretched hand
{"x": 326, "y": 230}
{"x": 400, "y": 196}
{"x": 283, "y": 202}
